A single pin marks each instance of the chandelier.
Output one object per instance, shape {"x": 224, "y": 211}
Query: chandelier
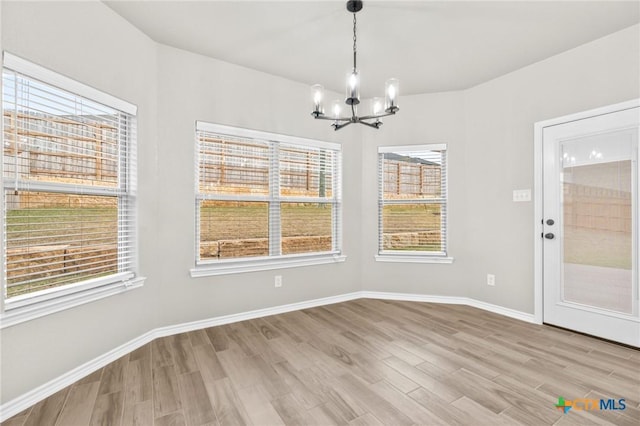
{"x": 377, "y": 110}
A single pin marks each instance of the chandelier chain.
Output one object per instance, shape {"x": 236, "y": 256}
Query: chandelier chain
{"x": 354, "y": 41}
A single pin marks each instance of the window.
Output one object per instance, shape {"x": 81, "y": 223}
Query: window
{"x": 265, "y": 199}
{"x": 68, "y": 179}
{"x": 412, "y": 212}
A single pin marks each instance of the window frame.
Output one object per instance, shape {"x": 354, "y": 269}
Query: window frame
{"x": 29, "y": 306}
{"x": 209, "y": 267}
{"x": 407, "y": 256}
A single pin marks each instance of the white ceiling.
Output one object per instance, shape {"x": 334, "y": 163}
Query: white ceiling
{"x": 431, "y": 46}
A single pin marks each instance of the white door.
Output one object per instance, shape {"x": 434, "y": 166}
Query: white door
{"x": 590, "y": 225}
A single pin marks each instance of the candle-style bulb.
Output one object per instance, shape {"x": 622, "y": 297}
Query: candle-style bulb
{"x": 336, "y": 108}
{"x": 391, "y": 90}
{"x": 376, "y": 106}
{"x": 353, "y": 88}
{"x": 317, "y": 97}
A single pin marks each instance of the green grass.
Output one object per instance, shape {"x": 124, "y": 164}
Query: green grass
{"x": 399, "y": 221}
{"x": 225, "y": 221}
{"x": 70, "y": 226}
{"x": 597, "y": 247}
{"x": 55, "y": 225}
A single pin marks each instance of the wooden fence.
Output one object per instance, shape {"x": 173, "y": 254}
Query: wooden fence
{"x": 404, "y": 179}
{"x": 60, "y": 149}
{"x": 597, "y": 208}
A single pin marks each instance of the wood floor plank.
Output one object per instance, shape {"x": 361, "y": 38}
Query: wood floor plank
{"x": 198, "y": 338}
{"x": 366, "y": 420}
{"x": 304, "y": 395}
{"x": 142, "y": 352}
{"x": 480, "y": 414}
{"x": 287, "y": 348}
{"x": 385, "y": 372}
{"x": 208, "y": 363}
{"x": 384, "y": 410}
{"x": 161, "y": 352}
{"x": 322, "y": 415}
{"x": 108, "y": 409}
{"x": 340, "y": 404}
{"x": 182, "y": 353}
{"x": 173, "y": 419}
{"x": 247, "y": 371}
{"x": 260, "y": 346}
{"x": 218, "y": 338}
{"x": 238, "y": 368}
{"x": 446, "y": 392}
{"x": 79, "y": 404}
{"x": 267, "y": 331}
{"x": 138, "y": 414}
{"x": 226, "y": 404}
{"x": 406, "y": 405}
{"x": 449, "y": 414}
{"x": 138, "y": 382}
{"x": 196, "y": 405}
{"x": 256, "y": 402}
{"x": 113, "y": 376}
{"x": 238, "y": 338}
{"x": 290, "y": 411}
{"x": 339, "y": 357}
{"x": 46, "y": 412}
{"x": 166, "y": 394}
{"x": 272, "y": 382}
{"x": 485, "y": 392}
{"x": 283, "y": 327}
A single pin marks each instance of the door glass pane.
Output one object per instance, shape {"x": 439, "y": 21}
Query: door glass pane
{"x": 597, "y": 190}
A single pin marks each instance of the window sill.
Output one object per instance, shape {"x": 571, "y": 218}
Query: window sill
{"x": 240, "y": 266}
{"x": 400, "y": 258}
{"x": 17, "y": 315}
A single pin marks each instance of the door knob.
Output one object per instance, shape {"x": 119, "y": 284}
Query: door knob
{"x": 550, "y": 222}
{"x": 549, "y": 236}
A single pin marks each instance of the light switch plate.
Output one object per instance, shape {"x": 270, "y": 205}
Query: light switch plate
{"x": 520, "y": 195}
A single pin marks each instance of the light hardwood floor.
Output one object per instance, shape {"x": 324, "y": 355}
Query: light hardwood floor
{"x": 364, "y": 362}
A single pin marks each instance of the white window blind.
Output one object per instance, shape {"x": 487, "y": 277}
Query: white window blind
{"x": 69, "y": 184}
{"x": 412, "y": 215}
{"x": 265, "y": 195}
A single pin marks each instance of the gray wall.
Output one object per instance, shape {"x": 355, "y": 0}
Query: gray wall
{"x": 88, "y": 42}
{"x": 489, "y": 130}
{"x": 193, "y": 87}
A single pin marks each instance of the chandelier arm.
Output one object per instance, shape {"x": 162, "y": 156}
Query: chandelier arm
{"x": 370, "y": 117}
{"x": 337, "y": 126}
{"x": 322, "y": 117}
{"x": 374, "y": 125}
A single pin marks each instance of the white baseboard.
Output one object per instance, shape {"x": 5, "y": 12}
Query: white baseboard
{"x": 258, "y": 313}
{"x": 36, "y": 395}
{"x": 455, "y": 300}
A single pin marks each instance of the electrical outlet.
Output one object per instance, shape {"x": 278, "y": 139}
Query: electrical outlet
{"x": 278, "y": 281}
{"x": 491, "y": 279}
